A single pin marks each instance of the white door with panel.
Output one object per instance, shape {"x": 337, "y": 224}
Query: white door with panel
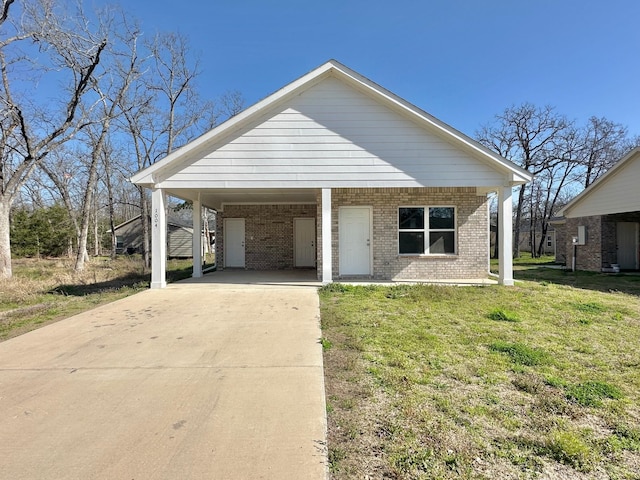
{"x": 304, "y": 230}
{"x": 355, "y": 240}
{"x": 234, "y": 242}
{"x": 627, "y": 233}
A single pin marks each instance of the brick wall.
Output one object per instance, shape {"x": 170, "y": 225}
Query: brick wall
{"x": 269, "y": 234}
{"x": 471, "y": 260}
{"x": 561, "y": 244}
{"x": 588, "y": 256}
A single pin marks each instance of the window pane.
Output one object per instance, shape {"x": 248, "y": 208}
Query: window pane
{"x": 411, "y": 242}
{"x": 441, "y": 217}
{"x": 411, "y": 218}
{"x": 442, "y": 242}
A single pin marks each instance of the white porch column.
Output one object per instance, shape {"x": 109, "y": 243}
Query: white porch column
{"x": 327, "y": 275}
{"x": 197, "y": 239}
{"x": 505, "y": 235}
{"x": 158, "y": 239}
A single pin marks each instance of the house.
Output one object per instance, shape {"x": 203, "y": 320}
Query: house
{"x": 599, "y": 230}
{"x": 548, "y": 245}
{"x": 129, "y": 238}
{"x": 333, "y": 172}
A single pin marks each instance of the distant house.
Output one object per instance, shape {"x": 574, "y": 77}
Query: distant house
{"x": 129, "y": 238}
{"x": 333, "y": 172}
{"x": 599, "y": 230}
{"x": 548, "y": 245}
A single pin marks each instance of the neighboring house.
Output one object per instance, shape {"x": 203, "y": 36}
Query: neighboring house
{"x": 599, "y": 230}
{"x": 179, "y": 238}
{"x": 548, "y": 245}
{"x": 335, "y": 173}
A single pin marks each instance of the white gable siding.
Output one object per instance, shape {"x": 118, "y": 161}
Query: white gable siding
{"x": 333, "y": 136}
{"x": 618, "y": 194}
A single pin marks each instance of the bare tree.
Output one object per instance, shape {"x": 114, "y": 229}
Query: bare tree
{"x": 163, "y": 110}
{"x": 605, "y": 142}
{"x": 530, "y": 137}
{"x": 68, "y": 48}
{"x": 111, "y": 88}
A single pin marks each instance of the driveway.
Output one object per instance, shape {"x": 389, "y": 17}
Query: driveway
{"x": 196, "y": 381}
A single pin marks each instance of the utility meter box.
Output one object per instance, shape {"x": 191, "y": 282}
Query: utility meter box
{"x": 581, "y": 239}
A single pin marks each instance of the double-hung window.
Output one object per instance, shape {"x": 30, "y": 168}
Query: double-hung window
{"x": 427, "y": 230}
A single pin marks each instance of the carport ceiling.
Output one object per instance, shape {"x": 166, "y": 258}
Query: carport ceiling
{"x": 216, "y": 198}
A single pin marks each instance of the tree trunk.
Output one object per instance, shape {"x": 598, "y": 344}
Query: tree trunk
{"x": 86, "y": 215}
{"x": 5, "y": 238}
{"x": 144, "y": 208}
{"x": 96, "y": 232}
{"x": 114, "y": 238}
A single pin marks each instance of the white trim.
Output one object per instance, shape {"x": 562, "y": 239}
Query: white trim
{"x": 370, "y": 239}
{"x": 196, "y": 239}
{"x": 505, "y": 235}
{"x": 224, "y": 204}
{"x": 327, "y": 255}
{"x": 158, "y": 238}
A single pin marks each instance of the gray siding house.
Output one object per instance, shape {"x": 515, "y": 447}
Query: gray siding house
{"x": 129, "y": 238}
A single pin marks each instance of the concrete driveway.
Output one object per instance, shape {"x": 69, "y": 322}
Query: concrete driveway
{"x": 196, "y": 381}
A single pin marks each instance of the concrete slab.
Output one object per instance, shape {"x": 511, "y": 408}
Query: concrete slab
{"x": 194, "y": 381}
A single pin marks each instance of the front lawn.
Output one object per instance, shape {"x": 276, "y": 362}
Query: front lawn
{"x": 540, "y": 380}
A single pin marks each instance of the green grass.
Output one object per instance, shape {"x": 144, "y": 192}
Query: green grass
{"x": 46, "y": 290}
{"x": 484, "y": 382}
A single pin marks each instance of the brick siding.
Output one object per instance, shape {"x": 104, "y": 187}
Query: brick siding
{"x": 269, "y": 234}
{"x": 588, "y": 256}
{"x": 601, "y": 245}
{"x": 471, "y": 260}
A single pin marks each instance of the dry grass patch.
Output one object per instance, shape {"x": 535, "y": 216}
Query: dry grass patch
{"x": 43, "y": 291}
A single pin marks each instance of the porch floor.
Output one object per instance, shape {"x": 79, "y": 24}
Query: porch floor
{"x": 307, "y": 277}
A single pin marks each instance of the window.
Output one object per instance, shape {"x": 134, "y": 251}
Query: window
{"x": 119, "y": 243}
{"x": 548, "y": 240}
{"x": 426, "y": 231}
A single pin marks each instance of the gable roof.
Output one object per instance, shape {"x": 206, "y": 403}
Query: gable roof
{"x": 614, "y": 192}
{"x": 177, "y": 223}
{"x": 182, "y": 157}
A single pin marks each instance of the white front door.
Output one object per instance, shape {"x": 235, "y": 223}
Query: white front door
{"x": 234, "y": 242}
{"x": 355, "y": 240}
{"x": 627, "y": 245}
{"x": 304, "y": 230}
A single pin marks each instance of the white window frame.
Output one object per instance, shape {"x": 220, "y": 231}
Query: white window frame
{"x": 426, "y": 230}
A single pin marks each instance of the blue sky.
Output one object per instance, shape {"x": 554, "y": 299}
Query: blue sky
{"x": 461, "y": 60}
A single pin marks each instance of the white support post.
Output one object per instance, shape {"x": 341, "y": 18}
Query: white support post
{"x": 158, "y": 239}
{"x": 197, "y": 239}
{"x": 327, "y": 276}
{"x": 505, "y": 235}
